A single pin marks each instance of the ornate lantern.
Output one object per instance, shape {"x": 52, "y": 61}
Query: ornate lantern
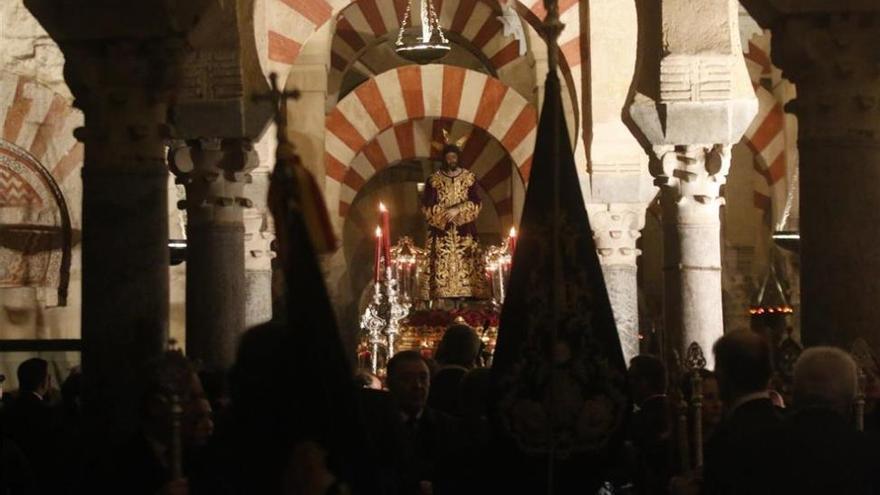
{"x": 425, "y": 43}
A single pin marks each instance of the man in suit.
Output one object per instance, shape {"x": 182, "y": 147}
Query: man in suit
{"x": 823, "y": 452}
{"x": 456, "y": 354}
{"x": 740, "y": 456}
{"x": 33, "y": 424}
{"x": 426, "y": 439}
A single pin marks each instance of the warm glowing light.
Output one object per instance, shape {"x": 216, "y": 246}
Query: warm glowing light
{"x": 513, "y": 232}
{"x": 382, "y": 207}
{"x": 771, "y": 310}
{"x": 378, "y": 231}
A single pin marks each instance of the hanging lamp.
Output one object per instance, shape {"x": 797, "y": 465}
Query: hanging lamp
{"x": 425, "y": 43}
{"x": 786, "y": 234}
{"x": 771, "y": 298}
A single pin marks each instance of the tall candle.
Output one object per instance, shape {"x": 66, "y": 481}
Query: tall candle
{"x": 511, "y": 240}
{"x": 386, "y": 230}
{"x": 378, "y": 274}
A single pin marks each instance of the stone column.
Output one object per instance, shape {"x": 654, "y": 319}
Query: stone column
{"x": 690, "y": 181}
{"x": 258, "y": 239}
{"x": 616, "y": 228}
{"x": 214, "y": 173}
{"x": 695, "y": 101}
{"x": 124, "y": 249}
{"x": 615, "y": 180}
{"x": 829, "y": 51}
{"x": 258, "y": 235}
{"x": 120, "y": 86}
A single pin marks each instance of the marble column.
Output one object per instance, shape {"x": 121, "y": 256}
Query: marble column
{"x": 120, "y": 85}
{"x": 214, "y": 173}
{"x": 614, "y": 177}
{"x": 616, "y": 229}
{"x": 690, "y": 181}
{"x": 124, "y": 251}
{"x": 829, "y": 51}
{"x": 694, "y": 101}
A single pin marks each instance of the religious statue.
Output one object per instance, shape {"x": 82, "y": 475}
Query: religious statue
{"x": 451, "y": 205}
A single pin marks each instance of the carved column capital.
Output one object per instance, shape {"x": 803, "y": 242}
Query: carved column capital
{"x": 124, "y": 87}
{"x": 693, "y": 173}
{"x": 214, "y": 172}
{"x": 832, "y": 58}
{"x": 258, "y": 239}
{"x": 616, "y": 229}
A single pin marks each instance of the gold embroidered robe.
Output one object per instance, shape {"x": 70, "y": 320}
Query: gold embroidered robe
{"x": 455, "y": 259}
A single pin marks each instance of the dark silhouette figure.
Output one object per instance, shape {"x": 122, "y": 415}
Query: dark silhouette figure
{"x": 33, "y": 424}
{"x": 822, "y": 451}
{"x": 650, "y": 423}
{"x": 740, "y": 456}
{"x": 427, "y": 447}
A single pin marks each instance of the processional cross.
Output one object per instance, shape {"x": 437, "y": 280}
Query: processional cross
{"x": 278, "y": 97}
{"x": 284, "y": 197}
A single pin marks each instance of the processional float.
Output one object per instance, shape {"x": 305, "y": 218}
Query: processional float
{"x": 401, "y": 315}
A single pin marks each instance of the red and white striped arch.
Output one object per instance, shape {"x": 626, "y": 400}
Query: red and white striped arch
{"x": 282, "y": 27}
{"x": 416, "y": 92}
{"x": 484, "y": 155}
{"x": 362, "y": 22}
{"x": 40, "y": 121}
{"x": 767, "y": 137}
{"x": 571, "y": 41}
{"x": 570, "y": 38}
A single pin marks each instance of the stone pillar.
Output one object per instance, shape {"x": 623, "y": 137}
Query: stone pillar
{"x": 120, "y": 85}
{"x": 124, "y": 249}
{"x": 258, "y": 236}
{"x": 695, "y": 101}
{"x": 616, "y": 228}
{"x": 690, "y": 181}
{"x": 615, "y": 180}
{"x": 214, "y": 172}
{"x": 829, "y": 51}
{"x": 258, "y": 239}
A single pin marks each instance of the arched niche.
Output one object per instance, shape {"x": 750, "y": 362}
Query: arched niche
{"x": 35, "y": 231}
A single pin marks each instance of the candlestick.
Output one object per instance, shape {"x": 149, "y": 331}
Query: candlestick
{"x": 386, "y": 227}
{"x": 378, "y": 268}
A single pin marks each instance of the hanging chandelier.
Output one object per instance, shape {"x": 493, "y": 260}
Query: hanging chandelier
{"x": 421, "y": 44}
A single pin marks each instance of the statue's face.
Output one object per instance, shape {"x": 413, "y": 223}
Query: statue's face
{"x": 451, "y": 158}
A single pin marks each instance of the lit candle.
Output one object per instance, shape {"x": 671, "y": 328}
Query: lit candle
{"x": 511, "y": 241}
{"x": 378, "y": 273}
{"x": 386, "y": 228}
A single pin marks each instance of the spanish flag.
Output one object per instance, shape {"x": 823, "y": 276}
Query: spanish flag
{"x": 293, "y": 188}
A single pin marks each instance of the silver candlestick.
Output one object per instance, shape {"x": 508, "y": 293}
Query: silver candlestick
{"x": 397, "y": 310}
{"x": 373, "y": 323}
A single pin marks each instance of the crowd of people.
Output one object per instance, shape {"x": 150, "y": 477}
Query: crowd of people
{"x": 753, "y": 442}
{"x": 424, "y": 429}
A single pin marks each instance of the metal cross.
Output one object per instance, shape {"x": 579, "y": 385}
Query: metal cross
{"x": 278, "y": 97}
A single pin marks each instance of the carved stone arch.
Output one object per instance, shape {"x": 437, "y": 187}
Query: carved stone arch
{"x": 36, "y": 237}
{"x": 414, "y": 93}
{"x": 414, "y": 140}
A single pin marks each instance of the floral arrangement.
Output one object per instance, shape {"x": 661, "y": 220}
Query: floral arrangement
{"x": 474, "y": 317}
